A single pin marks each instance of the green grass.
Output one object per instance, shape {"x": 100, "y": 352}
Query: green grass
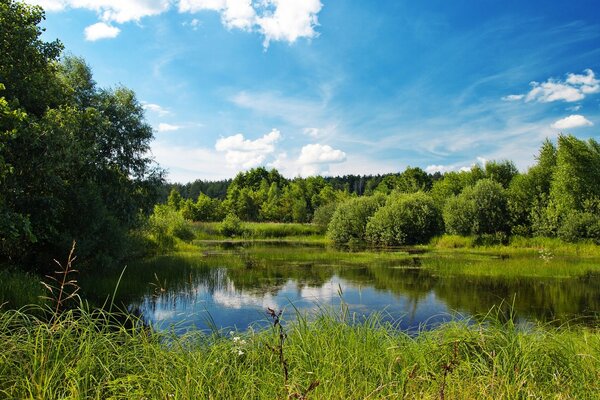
{"x": 84, "y": 355}
{"x": 261, "y": 230}
{"x": 18, "y": 288}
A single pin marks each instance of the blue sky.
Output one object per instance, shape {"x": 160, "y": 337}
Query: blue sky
{"x": 343, "y": 86}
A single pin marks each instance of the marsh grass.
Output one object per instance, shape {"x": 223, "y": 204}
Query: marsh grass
{"x": 261, "y": 230}
{"x": 92, "y": 355}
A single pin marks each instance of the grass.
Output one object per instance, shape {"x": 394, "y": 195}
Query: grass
{"x": 92, "y": 356}
{"x": 261, "y": 230}
{"x": 18, "y": 288}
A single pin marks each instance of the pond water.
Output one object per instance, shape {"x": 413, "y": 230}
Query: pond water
{"x": 229, "y": 287}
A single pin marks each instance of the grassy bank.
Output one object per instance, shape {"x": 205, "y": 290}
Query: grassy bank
{"x": 260, "y": 231}
{"x": 81, "y": 355}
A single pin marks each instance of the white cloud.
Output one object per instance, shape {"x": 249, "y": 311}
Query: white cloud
{"x": 155, "y": 108}
{"x": 193, "y": 6}
{"x": 118, "y": 11}
{"x": 101, "y": 30}
{"x": 571, "y": 122}
{"x": 432, "y": 169}
{"x": 513, "y": 97}
{"x": 574, "y": 88}
{"x": 550, "y": 91}
{"x": 244, "y": 153}
{"x": 277, "y": 20}
{"x": 290, "y": 20}
{"x": 163, "y": 127}
{"x": 49, "y": 5}
{"x": 186, "y": 163}
{"x": 320, "y": 154}
{"x": 315, "y": 157}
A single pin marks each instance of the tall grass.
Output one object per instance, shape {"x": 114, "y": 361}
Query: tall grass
{"x": 92, "y": 355}
{"x": 18, "y": 288}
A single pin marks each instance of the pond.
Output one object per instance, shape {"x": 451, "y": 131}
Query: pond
{"x": 229, "y": 286}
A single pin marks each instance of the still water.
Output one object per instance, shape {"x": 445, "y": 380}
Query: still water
{"x": 230, "y": 286}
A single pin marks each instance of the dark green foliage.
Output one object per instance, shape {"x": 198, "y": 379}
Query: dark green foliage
{"x": 324, "y": 214}
{"x": 580, "y": 225}
{"x": 349, "y": 221}
{"x": 73, "y": 157}
{"x": 405, "y": 220}
{"x": 479, "y": 209}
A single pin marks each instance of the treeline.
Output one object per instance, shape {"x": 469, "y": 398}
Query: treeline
{"x": 73, "y": 156}
{"x": 263, "y": 195}
{"x": 557, "y": 197}
{"x": 353, "y": 184}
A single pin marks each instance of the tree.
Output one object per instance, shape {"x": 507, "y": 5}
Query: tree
{"x": 480, "y": 209}
{"x": 406, "y": 219}
{"x": 349, "y": 222}
{"x": 67, "y": 149}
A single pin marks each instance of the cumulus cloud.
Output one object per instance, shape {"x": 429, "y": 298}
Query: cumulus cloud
{"x": 572, "y": 89}
{"x": 315, "y": 157}
{"x": 244, "y": 153}
{"x": 99, "y": 31}
{"x": 110, "y": 10}
{"x": 289, "y": 20}
{"x": 277, "y": 20}
{"x": 571, "y": 122}
{"x": 163, "y": 127}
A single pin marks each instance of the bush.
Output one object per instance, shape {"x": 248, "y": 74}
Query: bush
{"x": 405, "y": 220}
{"x": 478, "y": 210}
{"x": 578, "y": 226}
{"x": 165, "y": 224}
{"x": 324, "y": 214}
{"x": 231, "y": 226}
{"x": 349, "y": 222}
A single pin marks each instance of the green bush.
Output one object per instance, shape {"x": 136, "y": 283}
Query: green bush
{"x": 478, "y": 210}
{"x": 231, "y": 226}
{"x": 404, "y": 220}
{"x": 324, "y": 214}
{"x": 165, "y": 225}
{"x": 349, "y": 222}
{"x": 580, "y": 226}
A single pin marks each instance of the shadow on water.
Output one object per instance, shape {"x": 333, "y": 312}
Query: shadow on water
{"x": 230, "y": 285}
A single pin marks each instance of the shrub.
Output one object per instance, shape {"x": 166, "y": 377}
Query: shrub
{"x": 165, "y": 224}
{"x": 231, "y": 226}
{"x": 406, "y": 219}
{"x": 349, "y": 222}
{"x": 478, "y": 210}
{"x": 324, "y": 214}
{"x": 580, "y": 225}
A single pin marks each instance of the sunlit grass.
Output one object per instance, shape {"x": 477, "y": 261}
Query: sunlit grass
{"x": 92, "y": 355}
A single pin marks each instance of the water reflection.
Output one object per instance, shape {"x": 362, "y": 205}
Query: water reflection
{"x": 231, "y": 287}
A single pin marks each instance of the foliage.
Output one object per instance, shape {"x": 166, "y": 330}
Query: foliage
{"x": 165, "y": 225}
{"x": 73, "y": 157}
{"x": 579, "y": 225}
{"x": 324, "y": 214}
{"x": 405, "y": 220}
{"x": 348, "y": 224}
{"x": 231, "y": 226}
{"x": 479, "y": 209}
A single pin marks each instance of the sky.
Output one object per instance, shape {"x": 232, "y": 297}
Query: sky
{"x": 335, "y": 87}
